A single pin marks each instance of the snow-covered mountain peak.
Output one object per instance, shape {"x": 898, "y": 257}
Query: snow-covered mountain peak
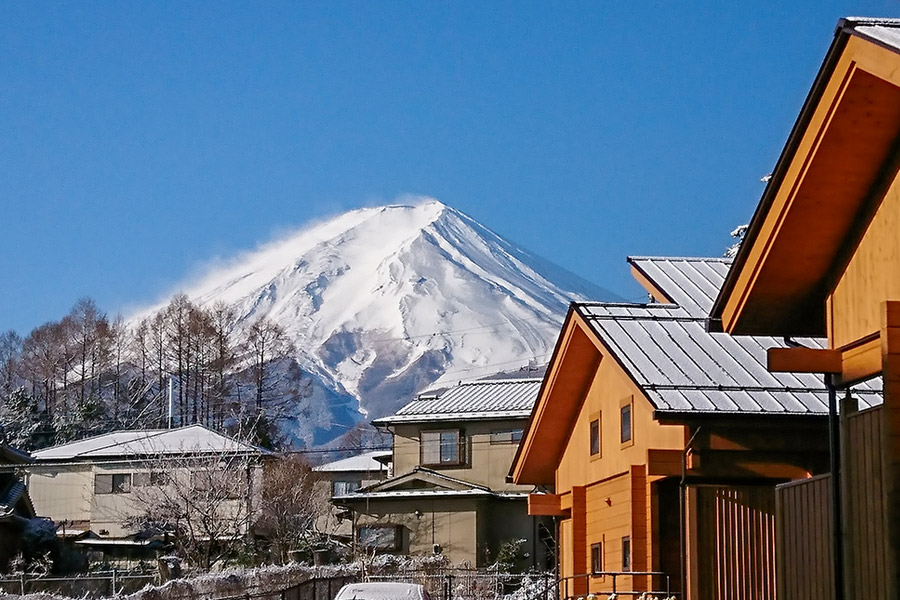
{"x": 382, "y": 302}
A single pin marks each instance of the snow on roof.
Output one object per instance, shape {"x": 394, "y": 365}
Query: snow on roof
{"x": 886, "y": 32}
{"x": 684, "y": 368}
{"x": 368, "y": 462}
{"x": 691, "y": 283}
{"x": 193, "y": 439}
{"x": 476, "y": 400}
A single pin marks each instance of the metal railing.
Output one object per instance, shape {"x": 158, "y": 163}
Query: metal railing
{"x": 477, "y": 584}
{"x": 607, "y": 582}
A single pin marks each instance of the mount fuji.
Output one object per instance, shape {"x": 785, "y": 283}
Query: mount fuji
{"x": 384, "y": 302}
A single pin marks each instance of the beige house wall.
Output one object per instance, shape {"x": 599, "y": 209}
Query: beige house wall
{"x": 61, "y": 492}
{"x": 486, "y": 464}
{"x": 65, "y": 492}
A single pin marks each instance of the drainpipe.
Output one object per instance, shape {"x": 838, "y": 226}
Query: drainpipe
{"x": 834, "y": 441}
{"x": 682, "y": 503}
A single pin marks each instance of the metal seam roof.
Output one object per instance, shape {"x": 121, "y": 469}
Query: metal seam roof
{"x": 683, "y": 367}
{"x": 498, "y": 398}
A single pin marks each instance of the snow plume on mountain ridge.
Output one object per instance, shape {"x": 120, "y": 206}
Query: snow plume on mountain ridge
{"x": 384, "y": 302}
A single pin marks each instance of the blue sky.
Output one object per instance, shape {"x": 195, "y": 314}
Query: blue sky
{"x": 139, "y": 141}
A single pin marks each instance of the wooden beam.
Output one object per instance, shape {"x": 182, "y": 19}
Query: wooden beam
{"x": 861, "y": 361}
{"x": 803, "y": 360}
{"x": 663, "y": 462}
{"x": 546, "y": 505}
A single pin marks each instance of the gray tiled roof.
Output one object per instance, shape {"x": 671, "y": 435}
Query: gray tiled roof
{"x": 496, "y": 399}
{"x": 683, "y": 368}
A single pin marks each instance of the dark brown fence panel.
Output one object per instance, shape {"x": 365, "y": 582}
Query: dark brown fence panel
{"x": 865, "y": 545}
{"x": 804, "y": 539}
{"x": 736, "y": 539}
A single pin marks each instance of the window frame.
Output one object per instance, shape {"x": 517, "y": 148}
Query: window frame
{"x": 460, "y": 447}
{"x": 124, "y": 485}
{"x": 397, "y": 531}
{"x": 597, "y": 559}
{"x": 595, "y": 452}
{"x": 355, "y": 484}
{"x": 626, "y": 403}
{"x": 498, "y": 436}
{"x": 626, "y": 553}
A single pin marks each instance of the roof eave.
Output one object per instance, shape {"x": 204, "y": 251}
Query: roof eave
{"x": 790, "y": 148}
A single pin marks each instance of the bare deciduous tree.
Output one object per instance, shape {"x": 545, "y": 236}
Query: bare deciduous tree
{"x": 290, "y": 505}
{"x": 206, "y": 506}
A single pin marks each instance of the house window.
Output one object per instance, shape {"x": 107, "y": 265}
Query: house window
{"x": 442, "y": 448}
{"x": 112, "y": 483}
{"x": 380, "y": 537}
{"x": 625, "y": 422}
{"x": 506, "y": 436}
{"x": 626, "y": 553}
{"x": 150, "y": 478}
{"x": 342, "y": 488}
{"x": 597, "y": 558}
{"x": 595, "y": 437}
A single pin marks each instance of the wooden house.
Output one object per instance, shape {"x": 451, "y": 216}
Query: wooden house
{"x": 659, "y": 444}
{"x": 822, "y": 257}
{"x": 449, "y": 493}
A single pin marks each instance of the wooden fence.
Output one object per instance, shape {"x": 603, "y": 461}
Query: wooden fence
{"x": 736, "y": 543}
{"x": 804, "y": 539}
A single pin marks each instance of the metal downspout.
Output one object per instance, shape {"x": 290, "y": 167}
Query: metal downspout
{"x": 682, "y": 504}
{"x": 834, "y": 441}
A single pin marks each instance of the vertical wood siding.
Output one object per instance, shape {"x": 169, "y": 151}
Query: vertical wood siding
{"x": 865, "y": 543}
{"x": 736, "y": 539}
{"x": 804, "y": 539}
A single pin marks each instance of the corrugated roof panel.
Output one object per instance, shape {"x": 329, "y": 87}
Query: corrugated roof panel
{"x": 478, "y": 397}
{"x": 642, "y": 367}
{"x": 692, "y": 283}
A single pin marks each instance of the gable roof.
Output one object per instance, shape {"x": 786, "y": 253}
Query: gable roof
{"x": 682, "y": 368}
{"x": 839, "y": 155}
{"x": 665, "y": 349}
{"x": 472, "y": 401}
{"x": 190, "y": 440}
{"x": 691, "y": 283}
{"x": 368, "y": 462}
{"x": 419, "y": 482}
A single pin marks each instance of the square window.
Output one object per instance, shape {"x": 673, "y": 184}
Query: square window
{"x": 626, "y": 553}
{"x": 114, "y": 483}
{"x": 625, "y": 423}
{"x": 342, "y": 488}
{"x": 380, "y": 537}
{"x": 595, "y": 437}
{"x": 442, "y": 448}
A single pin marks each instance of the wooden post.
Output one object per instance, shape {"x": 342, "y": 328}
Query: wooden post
{"x": 579, "y": 541}
{"x": 890, "y": 432}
